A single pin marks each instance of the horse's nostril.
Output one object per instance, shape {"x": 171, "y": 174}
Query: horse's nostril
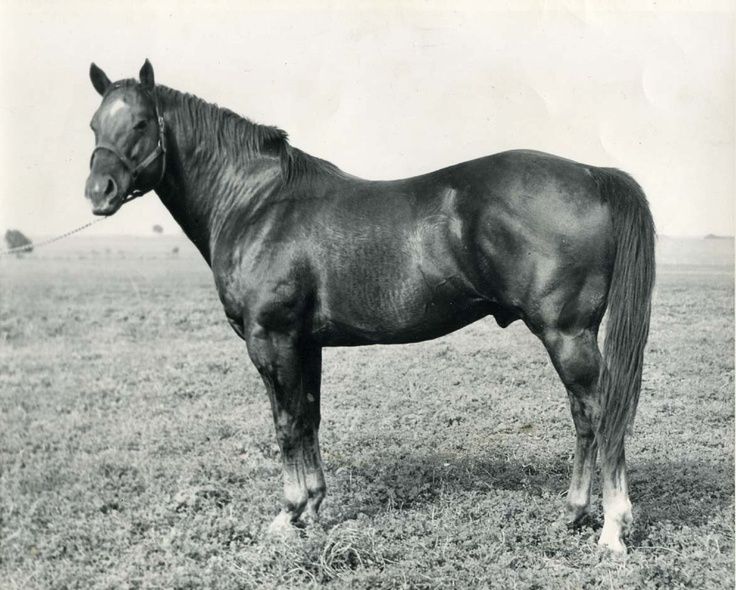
{"x": 110, "y": 187}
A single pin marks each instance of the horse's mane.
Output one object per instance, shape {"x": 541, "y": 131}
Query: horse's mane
{"x": 230, "y": 132}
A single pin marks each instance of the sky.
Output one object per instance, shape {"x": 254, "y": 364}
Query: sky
{"x": 385, "y": 90}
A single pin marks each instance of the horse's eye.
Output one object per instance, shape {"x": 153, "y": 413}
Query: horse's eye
{"x": 140, "y": 125}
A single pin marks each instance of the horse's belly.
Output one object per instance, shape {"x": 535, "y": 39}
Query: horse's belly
{"x": 400, "y": 313}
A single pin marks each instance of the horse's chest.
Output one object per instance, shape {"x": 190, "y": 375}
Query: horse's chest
{"x": 266, "y": 290}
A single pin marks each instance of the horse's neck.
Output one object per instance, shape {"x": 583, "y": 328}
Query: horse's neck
{"x": 202, "y": 186}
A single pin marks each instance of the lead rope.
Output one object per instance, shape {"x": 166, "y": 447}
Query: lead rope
{"x": 29, "y": 247}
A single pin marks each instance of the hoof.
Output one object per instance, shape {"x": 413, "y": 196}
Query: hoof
{"x": 612, "y": 542}
{"x": 282, "y": 527}
{"x": 615, "y": 527}
{"x": 309, "y": 519}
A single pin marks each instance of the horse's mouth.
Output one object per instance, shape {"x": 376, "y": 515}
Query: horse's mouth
{"x": 107, "y": 208}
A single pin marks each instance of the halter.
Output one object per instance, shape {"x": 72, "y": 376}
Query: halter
{"x": 134, "y": 169}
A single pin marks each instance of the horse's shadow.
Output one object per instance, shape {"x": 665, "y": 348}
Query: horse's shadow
{"x": 683, "y": 492}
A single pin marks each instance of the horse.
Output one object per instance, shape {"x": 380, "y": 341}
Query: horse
{"x": 306, "y": 256}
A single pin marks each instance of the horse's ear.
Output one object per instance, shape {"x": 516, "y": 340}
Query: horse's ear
{"x": 146, "y": 75}
{"x": 99, "y": 79}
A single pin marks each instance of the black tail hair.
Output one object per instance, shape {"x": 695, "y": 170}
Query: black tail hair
{"x": 629, "y": 306}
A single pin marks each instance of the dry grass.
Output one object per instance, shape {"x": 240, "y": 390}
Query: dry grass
{"x": 137, "y": 452}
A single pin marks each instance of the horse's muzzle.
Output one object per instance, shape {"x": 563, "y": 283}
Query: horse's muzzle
{"x": 103, "y": 193}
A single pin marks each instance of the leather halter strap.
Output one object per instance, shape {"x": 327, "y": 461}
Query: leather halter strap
{"x": 136, "y": 169}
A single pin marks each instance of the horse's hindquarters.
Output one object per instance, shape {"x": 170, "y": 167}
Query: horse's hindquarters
{"x": 544, "y": 242}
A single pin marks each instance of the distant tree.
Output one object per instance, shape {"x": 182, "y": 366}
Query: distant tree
{"x": 157, "y": 229}
{"x": 17, "y": 239}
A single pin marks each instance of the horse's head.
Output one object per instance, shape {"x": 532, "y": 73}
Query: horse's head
{"x": 129, "y": 158}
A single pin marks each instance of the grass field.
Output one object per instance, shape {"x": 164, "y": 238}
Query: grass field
{"x": 137, "y": 450}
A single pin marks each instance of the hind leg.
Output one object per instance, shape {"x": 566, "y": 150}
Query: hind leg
{"x": 577, "y": 360}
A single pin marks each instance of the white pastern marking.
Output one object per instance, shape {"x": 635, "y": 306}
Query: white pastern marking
{"x": 611, "y": 538}
{"x": 618, "y": 508}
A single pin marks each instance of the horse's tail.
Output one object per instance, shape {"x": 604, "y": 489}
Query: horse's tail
{"x": 629, "y": 306}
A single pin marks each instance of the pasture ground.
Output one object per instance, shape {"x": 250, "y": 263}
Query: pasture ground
{"x": 137, "y": 451}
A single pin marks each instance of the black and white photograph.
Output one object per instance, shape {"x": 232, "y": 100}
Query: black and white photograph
{"x": 402, "y": 294}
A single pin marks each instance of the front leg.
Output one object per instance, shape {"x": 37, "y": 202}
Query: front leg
{"x": 291, "y": 370}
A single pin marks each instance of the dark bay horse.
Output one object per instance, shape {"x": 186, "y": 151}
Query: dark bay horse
{"x": 306, "y": 256}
